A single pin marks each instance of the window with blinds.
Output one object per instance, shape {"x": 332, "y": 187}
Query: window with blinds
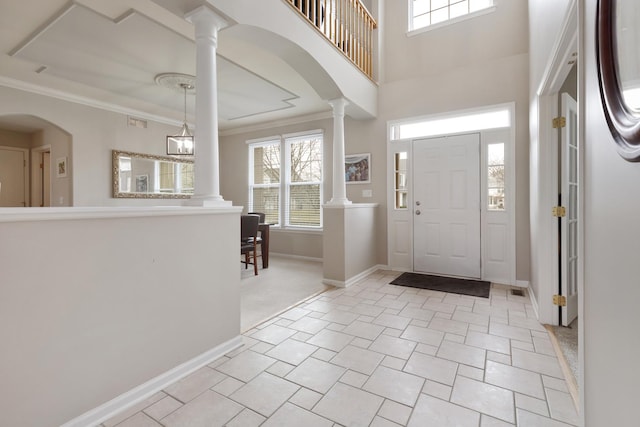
{"x": 425, "y": 13}
{"x": 285, "y": 180}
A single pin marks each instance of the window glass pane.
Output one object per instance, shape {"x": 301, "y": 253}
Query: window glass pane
{"x": 267, "y": 200}
{"x": 266, "y": 164}
{"x": 458, "y": 9}
{"x": 439, "y": 4}
{"x": 495, "y": 177}
{"x": 422, "y": 21}
{"x": 439, "y": 15}
{"x": 166, "y": 176}
{"x": 306, "y": 160}
{"x": 420, "y": 7}
{"x": 400, "y": 179}
{"x": 304, "y": 205}
{"x": 425, "y": 13}
{"x": 476, "y": 5}
{"x": 495, "y": 154}
{"x": 187, "y": 172}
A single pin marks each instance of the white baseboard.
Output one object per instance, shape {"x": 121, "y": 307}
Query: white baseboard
{"x": 298, "y": 257}
{"x": 154, "y": 385}
{"x": 354, "y": 279}
{"x": 534, "y": 303}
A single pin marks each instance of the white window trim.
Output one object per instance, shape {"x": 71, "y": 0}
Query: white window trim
{"x": 285, "y": 175}
{"x": 415, "y": 32}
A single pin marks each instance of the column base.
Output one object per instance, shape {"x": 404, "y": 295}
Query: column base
{"x": 208, "y": 202}
{"x": 339, "y": 202}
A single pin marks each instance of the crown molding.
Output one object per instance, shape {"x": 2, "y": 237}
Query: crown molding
{"x": 277, "y": 123}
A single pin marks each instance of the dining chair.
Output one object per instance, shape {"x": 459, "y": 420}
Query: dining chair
{"x": 262, "y": 216}
{"x": 249, "y": 240}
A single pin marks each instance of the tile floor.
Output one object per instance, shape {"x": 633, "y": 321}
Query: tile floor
{"x": 378, "y": 355}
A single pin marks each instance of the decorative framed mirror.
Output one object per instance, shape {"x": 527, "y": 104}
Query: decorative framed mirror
{"x": 618, "y": 56}
{"x": 145, "y": 176}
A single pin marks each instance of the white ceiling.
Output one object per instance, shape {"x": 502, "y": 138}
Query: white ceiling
{"x": 112, "y": 53}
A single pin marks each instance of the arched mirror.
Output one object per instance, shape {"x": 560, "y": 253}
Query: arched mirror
{"x": 618, "y": 38}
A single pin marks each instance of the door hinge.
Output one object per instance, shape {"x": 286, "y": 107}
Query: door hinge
{"x": 559, "y": 211}
{"x": 560, "y": 300}
{"x": 41, "y": 165}
{"x": 559, "y": 122}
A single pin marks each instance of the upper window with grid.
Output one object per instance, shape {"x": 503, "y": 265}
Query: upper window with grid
{"x": 426, "y": 13}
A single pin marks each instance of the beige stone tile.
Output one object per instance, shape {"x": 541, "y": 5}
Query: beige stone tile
{"x": 305, "y": 398}
{"x": 162, "y": 408}
{"x": 194, "y": 384}
{"x": 431, "y": 411}
{"x": 292, "y": 351}
{"x": 432, "y": 368}
{"x": 516, "y": 379}
{"x": 330, "y": 340}
{"x": 210, "y": 409}
{"x": 485, "y": 398}
{"x": 139, "y": 420}
{"x": 246, "y": 365}
{"x": 246, "y": 418}
{"x": 395, "y": 385}
{"x": 293, "y": 416}
{"x": 348, "y": 405}
{"x": 461, "y": 353}
{"x": 395, "y": 412}
{"x": 265, "y": 393}
{"x": 396, "y": 347}
{"x": 358, "y": 359}
{"x": 354, "y": 379}
{"x": 316, "y": 375}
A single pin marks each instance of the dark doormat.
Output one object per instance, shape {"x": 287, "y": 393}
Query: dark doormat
{"x": 474, "y": 288}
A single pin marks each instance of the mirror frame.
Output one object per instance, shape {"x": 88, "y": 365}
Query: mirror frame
{"x": 623, "y": 123}
{"x": 116, "y": 154}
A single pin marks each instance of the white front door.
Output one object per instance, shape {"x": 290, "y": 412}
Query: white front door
{"x": 569, "y": 223}
{"x": 12, "y": 177}
{"x": 446, "y": 210}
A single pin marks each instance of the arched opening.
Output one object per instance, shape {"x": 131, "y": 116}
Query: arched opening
{"x": 36, "y": 159}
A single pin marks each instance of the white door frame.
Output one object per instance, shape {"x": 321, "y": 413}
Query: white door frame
{"x": 36, "y": 184}
{"x": 545, "y": 263}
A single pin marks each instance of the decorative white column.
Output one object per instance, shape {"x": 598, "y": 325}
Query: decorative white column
{"x": 207, "y": 23}
{"x": 339, "y": 196}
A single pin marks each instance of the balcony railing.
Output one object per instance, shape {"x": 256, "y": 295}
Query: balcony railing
{"x": 347, "y": 24}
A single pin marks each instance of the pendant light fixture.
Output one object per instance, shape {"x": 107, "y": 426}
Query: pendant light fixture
{"x": 181, "y": 144}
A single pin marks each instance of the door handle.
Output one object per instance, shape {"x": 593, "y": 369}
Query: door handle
{"x": 418, "y": 212}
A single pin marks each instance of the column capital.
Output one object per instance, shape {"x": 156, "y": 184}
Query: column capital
{"x": 338, "y": 105}
{"x": 204, "y": 18}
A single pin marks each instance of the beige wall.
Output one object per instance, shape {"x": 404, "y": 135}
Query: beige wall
{"x": 234, "y": 184}
{"x": 10, "y": 138}
{"x": 60, "y": 146}
{"x": 94, "y": 133}
{"x": 92, "y": 307}
{"x": 611, "y": 244}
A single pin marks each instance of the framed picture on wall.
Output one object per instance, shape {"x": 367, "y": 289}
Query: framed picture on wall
{"x": 61, "y": 167}
{"x": 357, "y": 168}
{"x": 142, "y": 183}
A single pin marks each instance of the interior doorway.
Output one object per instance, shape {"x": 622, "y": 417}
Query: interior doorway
{"x": 41, "y": 176}
{"x": 446, "y": 184}
{"x": 14, "y": 177}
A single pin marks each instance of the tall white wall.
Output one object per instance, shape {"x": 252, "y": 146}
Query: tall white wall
{"x": 477, "y": 62}
{"x": 611, "y": 280}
